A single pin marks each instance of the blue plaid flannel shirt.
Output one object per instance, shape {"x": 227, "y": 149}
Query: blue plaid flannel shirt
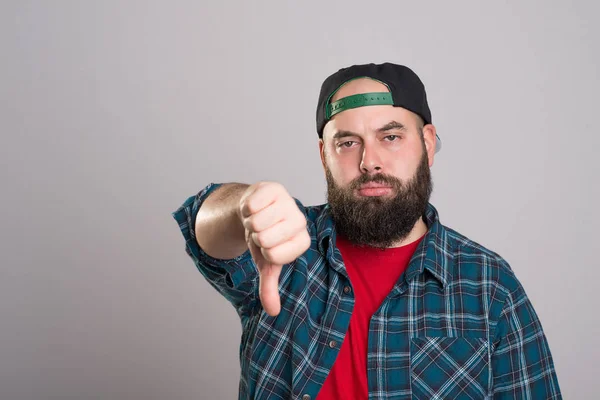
{"x": 456, "y": 325}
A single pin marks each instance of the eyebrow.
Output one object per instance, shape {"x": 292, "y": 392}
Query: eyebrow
{"x": 387, "y": 127}
{"x": 392, "y": 125}
{"x": 343, "y": 134}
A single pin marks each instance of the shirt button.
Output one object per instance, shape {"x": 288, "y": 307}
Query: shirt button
{"x": 306, "y": 397}
{"x": 333, "y": 344}
{"x": 347, "y": 289}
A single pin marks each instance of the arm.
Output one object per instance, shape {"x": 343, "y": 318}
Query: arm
{"x": 522, "y": 364}
{"x": 219, "y": 229}
{"x": 233, "y": 277}
{"x": 240, "y": 236}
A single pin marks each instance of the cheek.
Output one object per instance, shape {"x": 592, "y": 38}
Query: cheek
{"x": 405, "y": 170}
{"x": 401, "y": 166}
{"x": 407, "y": 167}
{"x": 342, "y": 169}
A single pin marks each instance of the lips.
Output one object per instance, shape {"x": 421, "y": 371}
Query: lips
{"x": 374, "y": 189}
{"x": 373, "y": 185}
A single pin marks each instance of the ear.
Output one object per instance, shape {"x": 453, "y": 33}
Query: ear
{"x": 322, "y": 153}
{"x": 429, "y": 136}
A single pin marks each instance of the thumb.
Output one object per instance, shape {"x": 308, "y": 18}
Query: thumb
{"x": 268, "y": 288}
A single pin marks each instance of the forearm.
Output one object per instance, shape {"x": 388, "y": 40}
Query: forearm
{"x": 218, "y": 227}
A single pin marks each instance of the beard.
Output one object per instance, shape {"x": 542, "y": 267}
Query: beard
{"x": 379, "y": 221}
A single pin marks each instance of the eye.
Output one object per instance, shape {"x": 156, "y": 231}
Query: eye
{"x": 345, "y": 144}
{"x": 391, "y": 138}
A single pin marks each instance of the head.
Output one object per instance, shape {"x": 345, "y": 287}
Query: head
{"x": 377, "y": 163}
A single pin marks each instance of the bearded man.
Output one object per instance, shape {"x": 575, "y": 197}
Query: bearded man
{"x": 367, "y": 296}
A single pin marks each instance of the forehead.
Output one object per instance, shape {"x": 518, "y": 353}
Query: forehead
{"x": 357, "y": 86}
{"x": 369, "y": 120}
{"x": 363, "y": 120}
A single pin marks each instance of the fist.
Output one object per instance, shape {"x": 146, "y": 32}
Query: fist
{"x": 276, "y": 234}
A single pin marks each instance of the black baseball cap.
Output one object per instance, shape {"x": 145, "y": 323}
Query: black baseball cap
{"x": 405, "y": 90}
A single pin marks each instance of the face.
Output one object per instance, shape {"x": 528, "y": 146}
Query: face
{"x": 376, "y": 161}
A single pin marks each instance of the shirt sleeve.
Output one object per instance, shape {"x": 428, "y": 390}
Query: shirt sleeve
{"x": 521, "y": 362}
{"x": 237, "y": 278}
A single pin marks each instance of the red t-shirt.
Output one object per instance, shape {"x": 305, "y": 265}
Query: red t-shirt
{"x": 373, "y": 273}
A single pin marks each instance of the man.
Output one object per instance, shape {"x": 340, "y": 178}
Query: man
{"x": 368, "y": 295}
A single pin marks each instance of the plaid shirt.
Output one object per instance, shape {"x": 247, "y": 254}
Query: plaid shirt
{"x": 456, "y": 325}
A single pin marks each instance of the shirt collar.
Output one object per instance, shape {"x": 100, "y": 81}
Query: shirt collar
{"x": 434, "y": 253}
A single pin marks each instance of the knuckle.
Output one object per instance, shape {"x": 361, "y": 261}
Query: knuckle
{"x": 275, "y": 185}
{"x": 301, "y": 219}
{"x": 267, "y": 240}
{"x": 268, "y": 187}
{"x": 249, "y": 223}
{"x": 276, "y": 255}
{"x": 307, "y": 239}
{"x": 297, "y": 224}
{"x": 303, "y": 240}
{"x": 259, "y": 239}
{"x": 253, "y": 224}
{"x": 252, "y": 204}
{"x": 287, "y": 209}
{"x": 280, "y": 190}
{"x": 269, "y": 254}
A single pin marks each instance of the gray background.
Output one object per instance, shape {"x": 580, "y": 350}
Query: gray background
{"x": 114, "y": 112}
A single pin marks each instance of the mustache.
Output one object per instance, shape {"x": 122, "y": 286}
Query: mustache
{"x": 378, "y": 178}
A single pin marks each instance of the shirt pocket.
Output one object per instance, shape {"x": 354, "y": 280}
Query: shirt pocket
{"x": 449, "y": 368}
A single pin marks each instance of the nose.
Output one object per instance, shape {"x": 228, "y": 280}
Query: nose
{"x": 371, "y": 160}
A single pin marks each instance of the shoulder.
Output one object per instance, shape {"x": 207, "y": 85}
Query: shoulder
{"x": 312, "y": 213}
{"x": 474, "y": 261}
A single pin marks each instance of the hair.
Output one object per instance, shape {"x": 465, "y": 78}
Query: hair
{"x": 420, "y": 125}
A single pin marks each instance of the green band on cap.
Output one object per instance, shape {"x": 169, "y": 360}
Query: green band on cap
{"x": 358, "y": 100}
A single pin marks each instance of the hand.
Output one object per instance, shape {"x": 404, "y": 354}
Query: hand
{"x": 276, "y": 234}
